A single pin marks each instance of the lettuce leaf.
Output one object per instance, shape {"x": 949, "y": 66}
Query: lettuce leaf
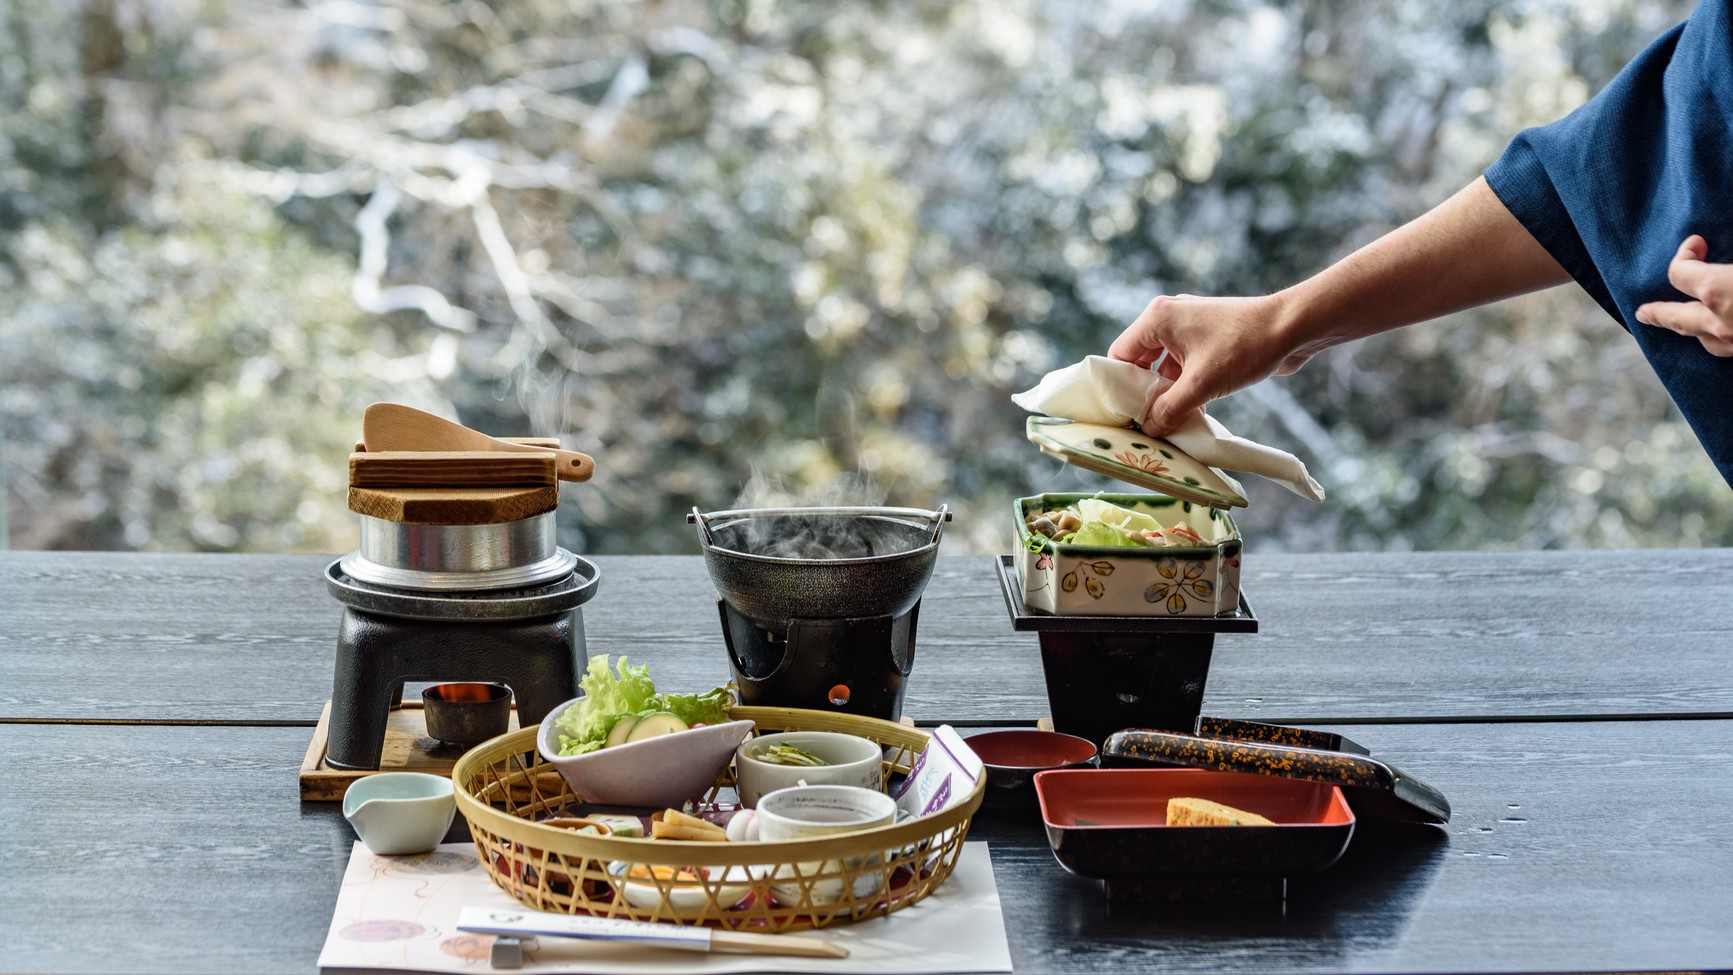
{"x": 607, "y": 698}
{"x": 711, "y": 707}
{"x": 584, "y": 726}
{"x": 1096, "y": 533}
{"x": 1107, "y": 513}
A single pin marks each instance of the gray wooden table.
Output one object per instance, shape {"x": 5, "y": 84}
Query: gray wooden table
{"x": 1576, "y": 707}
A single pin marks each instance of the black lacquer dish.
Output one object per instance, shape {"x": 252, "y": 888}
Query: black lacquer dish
{"x": 1111, "y": 824}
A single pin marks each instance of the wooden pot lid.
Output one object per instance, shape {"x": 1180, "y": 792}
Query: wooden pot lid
{"x": 453, "y": 506}
{"x": 453, "y": 487}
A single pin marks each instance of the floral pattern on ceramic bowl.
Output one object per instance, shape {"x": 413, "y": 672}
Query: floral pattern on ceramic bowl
{"x": 1099, "y": 580}
{"x": 1127, "y": 455}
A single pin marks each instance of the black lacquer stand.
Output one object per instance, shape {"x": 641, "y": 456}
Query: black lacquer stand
{"x": 854, "y": 666}
{"x": 1108, "y": 673}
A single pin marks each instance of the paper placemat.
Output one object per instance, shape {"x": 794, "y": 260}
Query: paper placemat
{"x": 400, "y": 914}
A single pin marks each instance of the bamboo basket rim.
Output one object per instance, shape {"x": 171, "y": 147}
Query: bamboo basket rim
{"x": 746, "y": 853}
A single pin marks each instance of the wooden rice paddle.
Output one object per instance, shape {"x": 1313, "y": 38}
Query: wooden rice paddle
{"x": 393, "y": 426}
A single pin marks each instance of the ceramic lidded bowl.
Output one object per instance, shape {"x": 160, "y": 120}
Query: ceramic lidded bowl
{"x": 1097, "y": 580}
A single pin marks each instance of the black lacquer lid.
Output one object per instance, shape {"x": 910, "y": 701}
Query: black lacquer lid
{"x": 1373, "y": 788}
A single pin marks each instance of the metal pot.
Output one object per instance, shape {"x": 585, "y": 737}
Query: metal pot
{"x": 502, "y": 555}
{"x": 777, "y": 564}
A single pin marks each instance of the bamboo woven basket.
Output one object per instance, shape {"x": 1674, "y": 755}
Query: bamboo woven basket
{"x": 504, "y": 786}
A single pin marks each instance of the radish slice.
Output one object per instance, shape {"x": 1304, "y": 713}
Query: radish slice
{"x": 740, "y": 824}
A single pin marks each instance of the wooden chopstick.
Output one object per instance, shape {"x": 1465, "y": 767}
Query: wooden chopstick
{"x": 774, "y": 944}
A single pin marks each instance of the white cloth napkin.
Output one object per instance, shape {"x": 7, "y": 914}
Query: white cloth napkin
{"x": 1103, "y": 390}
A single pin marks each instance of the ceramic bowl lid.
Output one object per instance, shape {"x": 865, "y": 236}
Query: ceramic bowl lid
{"x": 1128, "y": 454}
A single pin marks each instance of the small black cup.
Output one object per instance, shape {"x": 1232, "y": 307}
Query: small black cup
{"x": 1013, "y": 757}
{"x": 466, "y": 714}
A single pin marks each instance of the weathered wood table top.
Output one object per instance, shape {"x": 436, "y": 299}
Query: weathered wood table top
{"x": 1576, "y": 708}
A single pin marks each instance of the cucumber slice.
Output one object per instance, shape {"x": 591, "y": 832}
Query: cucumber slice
{"x": 617, "y": 735}
{"x": 629, "y": 826}
{"x": 660, "y": 723}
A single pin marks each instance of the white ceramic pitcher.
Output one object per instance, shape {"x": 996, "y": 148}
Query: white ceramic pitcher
{"x": 400, "y": 812}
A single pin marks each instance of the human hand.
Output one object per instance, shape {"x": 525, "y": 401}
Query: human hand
{"x": 1213, "y": 346}
{"x": 1709, "y": 319}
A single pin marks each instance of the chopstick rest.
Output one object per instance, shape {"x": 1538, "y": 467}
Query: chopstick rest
{"x": 506, "y": 952}
{"x": 511, "y": 923}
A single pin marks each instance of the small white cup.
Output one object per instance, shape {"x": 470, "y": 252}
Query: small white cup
{"x": 804, "y": 812}
{"x": 396, "y": 813}
{"x": 850, "y": 760}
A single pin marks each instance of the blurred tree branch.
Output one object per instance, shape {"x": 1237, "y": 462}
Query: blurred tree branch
{"x": 735, "y": 243}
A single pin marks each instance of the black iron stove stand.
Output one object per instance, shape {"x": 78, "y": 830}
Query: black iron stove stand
{"x": 530, "y": 640}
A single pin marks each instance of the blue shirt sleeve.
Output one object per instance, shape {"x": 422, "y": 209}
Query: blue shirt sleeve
{"x": 1612, "y": 189}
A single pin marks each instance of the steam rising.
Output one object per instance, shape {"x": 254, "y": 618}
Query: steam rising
{"x": 842, "y": 490}
{"x": 542, "y": 396}
{"x": 817, "y": 536}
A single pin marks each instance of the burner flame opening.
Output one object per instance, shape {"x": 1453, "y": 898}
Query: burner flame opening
{"x": 476, "y": 693}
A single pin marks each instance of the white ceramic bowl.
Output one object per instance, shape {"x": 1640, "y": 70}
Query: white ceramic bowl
{"x": 735, "y": 883}
{"x": 662, "y": 771}
{"x": 853, "y": 760}
{"x": 813, "y": 812}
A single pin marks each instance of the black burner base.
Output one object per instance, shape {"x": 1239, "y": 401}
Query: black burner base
{"x": 532, "y": 641}
{"x": 855, "y": 666}
{"x": 541, "y": 661}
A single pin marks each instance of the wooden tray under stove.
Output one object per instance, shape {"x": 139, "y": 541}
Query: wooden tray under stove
{"x": 407, "y": 749}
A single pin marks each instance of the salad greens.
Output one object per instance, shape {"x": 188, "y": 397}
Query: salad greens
{"x": 1097, "y": 511}
{"x": 1096, "y": 533}
{"x": 1094, "y": 522}
{"x": 584, "y": 726}
{"x": 1105, "y": 523}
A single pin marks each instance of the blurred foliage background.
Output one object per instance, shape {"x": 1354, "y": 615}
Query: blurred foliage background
{"x": 742, "y": 249}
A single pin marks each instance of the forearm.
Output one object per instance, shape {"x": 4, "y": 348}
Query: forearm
{"x": 1467, "y": 251}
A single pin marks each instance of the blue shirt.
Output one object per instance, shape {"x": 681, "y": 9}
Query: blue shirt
{"x": 1612, "y": 189}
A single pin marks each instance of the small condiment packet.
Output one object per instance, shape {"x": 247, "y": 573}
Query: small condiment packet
{"x": 944, "y": 774}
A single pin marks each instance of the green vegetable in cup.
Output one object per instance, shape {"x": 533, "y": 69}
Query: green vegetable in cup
{"x": 781, "y": 754}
